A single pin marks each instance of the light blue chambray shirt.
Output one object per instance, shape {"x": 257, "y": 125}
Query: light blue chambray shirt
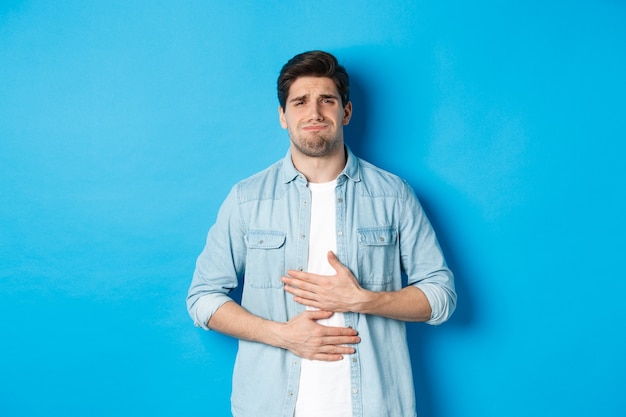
{"x": 261, "y": 232}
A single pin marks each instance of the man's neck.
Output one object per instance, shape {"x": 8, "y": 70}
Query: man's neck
{"x": 320, "y": 169}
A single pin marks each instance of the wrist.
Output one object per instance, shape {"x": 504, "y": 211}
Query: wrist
{"x": 367, "y": 301}
{"x": 273, "y": 333}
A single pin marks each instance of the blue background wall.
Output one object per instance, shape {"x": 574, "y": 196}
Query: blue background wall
{"x": 123, "y": 126}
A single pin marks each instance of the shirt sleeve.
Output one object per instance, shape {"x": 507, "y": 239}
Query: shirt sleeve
{"x": 423, "y": 260}
{"x": 219, "y": 266}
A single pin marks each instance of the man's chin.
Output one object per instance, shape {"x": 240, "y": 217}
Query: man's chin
{"x": 317, "y": 150}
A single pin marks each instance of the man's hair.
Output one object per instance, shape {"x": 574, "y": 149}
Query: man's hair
{"x": 313, "y": 64}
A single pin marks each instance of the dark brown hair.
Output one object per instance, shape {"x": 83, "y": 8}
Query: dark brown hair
{"x": 315, "y": 64}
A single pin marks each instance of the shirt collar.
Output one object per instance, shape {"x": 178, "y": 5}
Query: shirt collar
{"x": 351, "y": 170}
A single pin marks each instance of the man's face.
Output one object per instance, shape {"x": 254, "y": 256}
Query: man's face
{"x": 314, "y": 116}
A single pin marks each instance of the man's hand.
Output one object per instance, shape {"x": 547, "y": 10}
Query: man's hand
{"x": 305, "y": 338}
{"x": 302, "y": 335}
{"x": 338, "y": 293}
{"x": 341, "y": 293}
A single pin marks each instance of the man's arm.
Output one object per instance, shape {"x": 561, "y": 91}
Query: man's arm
{"x": 218, "y": 270}
{"x": 342, "y": 293}
{"x": 302, "y": 335}
{"x": 429, "y": 297}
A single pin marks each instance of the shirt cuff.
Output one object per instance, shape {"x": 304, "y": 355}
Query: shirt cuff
{"x": 205, "y": 307}
{"x": 440, "y": 303}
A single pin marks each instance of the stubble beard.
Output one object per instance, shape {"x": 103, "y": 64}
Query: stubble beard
{"x": 316, "y": 146}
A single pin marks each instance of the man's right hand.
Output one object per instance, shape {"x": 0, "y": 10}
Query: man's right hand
{"x": 302, "y": 335}
{"x": 306, "y": 338}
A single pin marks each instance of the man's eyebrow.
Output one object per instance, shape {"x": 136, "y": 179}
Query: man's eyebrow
{"x": 305, "y": 97}
{"x": 299, "y": 98}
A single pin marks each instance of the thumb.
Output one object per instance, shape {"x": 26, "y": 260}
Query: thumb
{"x": 319, "y": 314}
{"x": 334, "y": 261}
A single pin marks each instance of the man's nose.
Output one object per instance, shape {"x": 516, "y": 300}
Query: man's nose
{"x": 314, "y": 112}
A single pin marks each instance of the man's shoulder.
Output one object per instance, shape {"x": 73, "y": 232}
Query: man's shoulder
{"x": 380, "y": 182}
{"x": 367, "y": 168}
{"x": 273, "y": 170}
{"x": 261, "y": 185}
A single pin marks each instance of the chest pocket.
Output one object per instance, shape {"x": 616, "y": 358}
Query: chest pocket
{"x": 265, "y": 260}
{"x": 378, "y": 256}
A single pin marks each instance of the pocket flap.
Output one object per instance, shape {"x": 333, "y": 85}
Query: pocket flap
{"x": 378, "y": 236}
{"x": 265, "y": 239}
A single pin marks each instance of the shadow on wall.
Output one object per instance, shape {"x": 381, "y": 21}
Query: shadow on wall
{"x": 420, "y": 336}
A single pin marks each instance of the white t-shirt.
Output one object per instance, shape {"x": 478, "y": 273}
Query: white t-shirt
{"x": 324, "y": 386}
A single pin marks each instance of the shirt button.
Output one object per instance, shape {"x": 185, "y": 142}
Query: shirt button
{"x": 340, "y": 200}
{"x": 303, "y": 236}
{"x": 382, "y": 239}
{"x": 355, "y": 391}
{"x": 340, "y": 233}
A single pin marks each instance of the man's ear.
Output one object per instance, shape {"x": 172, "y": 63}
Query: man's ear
{"x": 347, "y": 113}
{"x": 281, "y": 117}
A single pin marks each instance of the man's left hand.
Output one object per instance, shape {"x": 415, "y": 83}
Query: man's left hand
{"x": 339, "y": 293}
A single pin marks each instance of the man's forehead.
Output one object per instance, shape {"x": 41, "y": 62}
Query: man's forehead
{"x": 304, "y": 86}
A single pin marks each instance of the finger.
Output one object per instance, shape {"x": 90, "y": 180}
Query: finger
{"x": 294, "y": 282}
{"x": 321, "y": 314}
{"x": 340, "y": 343}
{"x": 334, "y": 261}
{"x": 327, "y": 357}
{"x": 307, "y": 302}
{"x": 289, "y": 284}
{"x": 303, "y": 275}
{"x": 291, "y": 290}
{"x": 301, "y": 294}
{"x": 331, "y": 331}
{"x": 332, "y": 353}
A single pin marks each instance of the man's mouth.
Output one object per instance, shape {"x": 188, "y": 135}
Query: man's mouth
{"x": 315, "y": 127}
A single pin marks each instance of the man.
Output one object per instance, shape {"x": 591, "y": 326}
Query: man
{"x": 320, "y": 241}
